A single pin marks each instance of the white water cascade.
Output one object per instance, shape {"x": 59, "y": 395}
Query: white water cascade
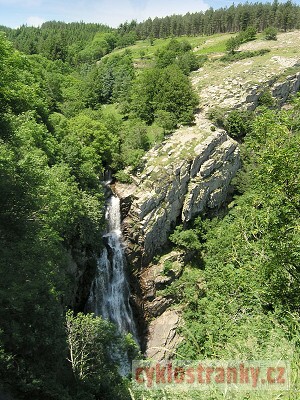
{"x": 109, "y": 295}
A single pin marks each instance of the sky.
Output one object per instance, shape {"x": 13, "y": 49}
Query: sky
{"x": 14, "y": 13}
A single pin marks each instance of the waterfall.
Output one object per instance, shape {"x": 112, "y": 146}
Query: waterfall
{"x": 109, "y": 295}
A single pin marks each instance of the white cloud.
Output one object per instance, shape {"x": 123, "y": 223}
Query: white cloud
{"x": 34, "y": 21}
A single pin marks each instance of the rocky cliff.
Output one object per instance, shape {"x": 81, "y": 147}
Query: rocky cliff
{"x": 188, "y": 174}
{"x": 182, "y": 178}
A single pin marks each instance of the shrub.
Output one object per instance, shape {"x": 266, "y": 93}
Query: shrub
{"x": 241, "y": 55}
{"x": 248, "y": 34}
{"x": 266, "y": 99}
{"x": 217, "y": 116}
{"x": 185, "y": 239}
{"x": 167, "y": 120}
{"x": 123, "y": 177}
{"x": 167, "y": 267}
{"x": 233, "y": 44}
{"x": 238, "y": 123}
{"x": 270, "y": 33}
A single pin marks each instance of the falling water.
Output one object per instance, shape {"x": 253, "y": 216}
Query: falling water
{"x": 109, "y": 295}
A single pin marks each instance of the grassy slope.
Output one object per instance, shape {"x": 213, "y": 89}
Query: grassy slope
{"x": 217, "y": 76}
{"x": 213, "y": 78}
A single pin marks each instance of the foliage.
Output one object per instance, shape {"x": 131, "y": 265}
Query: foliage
{"x": 123, "y": 177}
{"x": 266, "y": 99}
{"x": 248, "y": 34}
{"x": 167, "y": 90}
{"x": 186, "y": 239}
{"x": 75, "y": 42}
{"x": 64, "y": 119}
{"x": 237, "y": 17}
{"x": 244, "y": 36}
{"x": 270, "y": 33}
{"x": 102, "y": 44}
{"x": 133, "y": 142}
{"x": 217, "y": 116}
{"x": 233, "y": 44}
{"x": 241, "y": 55}
{"x": 110, "y": 80}
{"x": 96, "y": 350}
{"x": 143, "y": 93}
{"x": 51, "y": 202}
{"x": 238, "y": 123}
{"x": 179, "y": 53}
{"x": 167, "y": 120}
{"x": 246, "y": 296}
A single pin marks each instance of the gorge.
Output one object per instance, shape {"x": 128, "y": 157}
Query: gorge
{"x": 188, "y": 175}
{"x": 190, "y": 246}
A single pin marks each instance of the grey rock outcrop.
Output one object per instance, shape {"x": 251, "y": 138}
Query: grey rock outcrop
{"x": 181, "y": 179}
{"x": 157, "y": 277}
{"x": 282, "y": 90}
{"x": 188, "y": 174}
{"x": 163, "y": 337}
{"x": 245, "y": 94}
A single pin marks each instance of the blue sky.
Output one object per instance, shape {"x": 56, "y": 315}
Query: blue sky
{"x": 14, "y": 13}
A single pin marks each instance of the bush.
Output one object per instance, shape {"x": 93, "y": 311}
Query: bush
{"x": 185, "y": 239}
{"x": 123, "y": 177}
{"x": 167, "y": 120}
{"x": 270, "y": 33}
{"x": 238, "y": 123}
{"x": 202, "y": 58}
{"x": 241, "y": 55}
{"x": 233, "y": 44}
{"x": 266, "y": 99}
{"x": 248, "y": 34}
{"x": 167, "y": 89}
{"x": 217, "y": 116}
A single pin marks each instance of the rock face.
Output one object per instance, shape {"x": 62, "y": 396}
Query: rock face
{"x": 181, "y": 179}
{"x": 280, "y": 91}
{"x": 161, "y": 322}
{"x": 190, "y": 174}
{"x": 163, "y": 338}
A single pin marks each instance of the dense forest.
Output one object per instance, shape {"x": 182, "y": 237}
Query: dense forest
{"x": 80, "y": 43}
{"x": 73, "y": 103}
{"x": 232, "y": 19}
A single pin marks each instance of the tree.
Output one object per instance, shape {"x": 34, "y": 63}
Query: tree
{"x": 238, "y": 123}
{"x": 110, "y": 81}
{"x": 167, "y": 89}
{"x": 251, "y": 256}
{"x": 186, "y": 239}
{"x": 96, "y": 352}
{"x": 174, "y": 94}
{"x": 248, "y": 34}
{"x": 143, "y": 92}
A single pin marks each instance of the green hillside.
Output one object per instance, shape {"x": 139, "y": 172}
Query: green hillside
{"x": 78, "y": 100}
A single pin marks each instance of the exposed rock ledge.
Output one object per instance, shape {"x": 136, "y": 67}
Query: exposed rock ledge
{"x": 186, "y": 175}
{"x": 189, "y": 173}
{"x": 163, "y": 338}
